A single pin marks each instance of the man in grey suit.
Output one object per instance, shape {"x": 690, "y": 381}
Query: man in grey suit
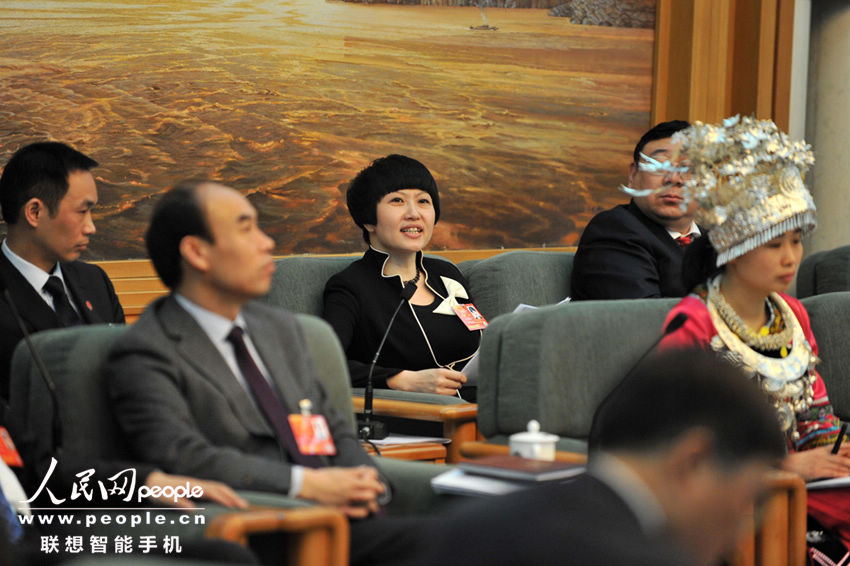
{"x": 195, "y": 396}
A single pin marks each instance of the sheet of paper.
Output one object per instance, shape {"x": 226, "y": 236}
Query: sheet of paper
{"x": 408, "y": 439}
{"x": 828, "y": 484}
{"x": 457, "y": 482}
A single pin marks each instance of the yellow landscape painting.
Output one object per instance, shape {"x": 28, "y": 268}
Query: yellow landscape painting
{"x": 527, "y": 128}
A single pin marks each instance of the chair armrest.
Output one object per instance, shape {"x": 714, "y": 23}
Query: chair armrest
{"x": 459, "y": 419}
{"x": 322, "y": 532}
{"x": 778, "y": 532}
{"x": 476, "y": 449}
{"x": 411, "y": 484}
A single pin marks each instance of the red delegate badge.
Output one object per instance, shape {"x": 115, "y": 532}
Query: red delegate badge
{"x": 470, "y": 316}
{"x": 312, "y": 434}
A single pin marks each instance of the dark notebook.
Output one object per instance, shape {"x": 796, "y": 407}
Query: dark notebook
{"x": 523, "y": 469}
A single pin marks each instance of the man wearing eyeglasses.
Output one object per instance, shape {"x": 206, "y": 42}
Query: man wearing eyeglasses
{"x": 635, "y": 250}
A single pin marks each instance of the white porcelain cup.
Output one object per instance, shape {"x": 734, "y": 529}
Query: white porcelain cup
{"x": 533, "y": 444}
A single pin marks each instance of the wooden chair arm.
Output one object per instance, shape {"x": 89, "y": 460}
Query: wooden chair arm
{"x": 478, "y": 449}
{"x": 459, "y": 420}
{"x": 779, "y": 529}
{"x": 321, "y": 533}
{"x": 419, "y": 411}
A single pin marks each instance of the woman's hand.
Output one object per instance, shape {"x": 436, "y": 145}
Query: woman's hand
{"x": 435, "y": 380}
{"x": 819, "y": 463}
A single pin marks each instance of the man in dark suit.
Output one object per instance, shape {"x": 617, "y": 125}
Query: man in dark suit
{"x": 677, "y": 458}
{"x": 635, "y": 250}
{"x": 47, "y": 193}
{"x": 205, "y": 381}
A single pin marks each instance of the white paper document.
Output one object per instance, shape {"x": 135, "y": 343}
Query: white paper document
{"x": 459, "y": 483}
{"x": 828, "y": 484}
{"x": 407, "y": 439}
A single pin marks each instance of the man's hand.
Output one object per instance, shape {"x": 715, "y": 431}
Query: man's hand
{"x": 213, "y": 491}
{"x": 353, "y": 490}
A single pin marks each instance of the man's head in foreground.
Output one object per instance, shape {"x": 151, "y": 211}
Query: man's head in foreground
{"x": 205, "y": 243}
{"x": 700, "y": 435}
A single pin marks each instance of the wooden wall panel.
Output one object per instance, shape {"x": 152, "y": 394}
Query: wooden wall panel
{"x": 716, "y": 58}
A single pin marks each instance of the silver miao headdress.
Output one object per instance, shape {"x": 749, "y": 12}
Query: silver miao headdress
{"x": 747, "y": 178}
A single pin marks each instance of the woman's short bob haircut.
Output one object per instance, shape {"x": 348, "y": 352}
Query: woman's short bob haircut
{"x": 385, "y": 175}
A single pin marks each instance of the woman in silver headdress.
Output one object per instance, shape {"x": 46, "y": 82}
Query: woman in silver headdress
{"x": 747, "y": 178}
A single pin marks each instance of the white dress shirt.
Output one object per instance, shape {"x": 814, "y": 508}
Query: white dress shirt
{"x": 692, "y": 231}
{"x": 37, "y": 277}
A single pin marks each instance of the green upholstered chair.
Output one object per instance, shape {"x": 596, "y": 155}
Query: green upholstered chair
{"x": 830, "y": 317}
{"x": 501, "y": 282}
{"x": 824, "y": 272}
{"x": 557, "y": 363}
{"x": 299, "y": 281}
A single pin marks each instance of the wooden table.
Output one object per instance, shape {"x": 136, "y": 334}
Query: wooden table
{"x": 421, "y": 451}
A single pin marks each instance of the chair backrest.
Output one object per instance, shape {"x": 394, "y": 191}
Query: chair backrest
{"x": 556, "y": 364}
{"x": 330, "y": 362}
{"x": 829, "y": 315}
{"x": 74, "y": 357}
{"x": 824, "y": 272}
{"x": 299, "y": 282}
{"x": 501, "y": 282}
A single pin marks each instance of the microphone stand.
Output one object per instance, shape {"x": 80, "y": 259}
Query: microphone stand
{"x": 45, "y": 374}
{"x": 367, "y": 427}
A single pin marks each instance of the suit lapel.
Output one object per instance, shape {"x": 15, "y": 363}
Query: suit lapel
{"x": 266, "y": 338}
{"x": 32, "y": 307}
{"x": 660, "y": 231}
{"x": 80, "y": 294}
{"x": 195, "y": 347}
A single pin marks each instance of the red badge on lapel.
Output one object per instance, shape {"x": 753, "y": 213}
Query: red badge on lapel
{"x": 312, "y": 435}
{"x": 88, "y": 306}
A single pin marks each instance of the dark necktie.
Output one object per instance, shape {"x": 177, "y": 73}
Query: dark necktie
{"x": 267, "y": 399}
{"x": 684, "y": 240}
{"x": 64, "y": 311}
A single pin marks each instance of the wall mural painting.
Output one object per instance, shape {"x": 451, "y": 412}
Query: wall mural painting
{"x": 526, "y": 111}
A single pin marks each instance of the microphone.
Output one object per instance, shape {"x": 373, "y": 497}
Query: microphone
{"x": 369, "y": 429}
{"x": 675, "y": 324}
{"x": 45, "y": 374}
